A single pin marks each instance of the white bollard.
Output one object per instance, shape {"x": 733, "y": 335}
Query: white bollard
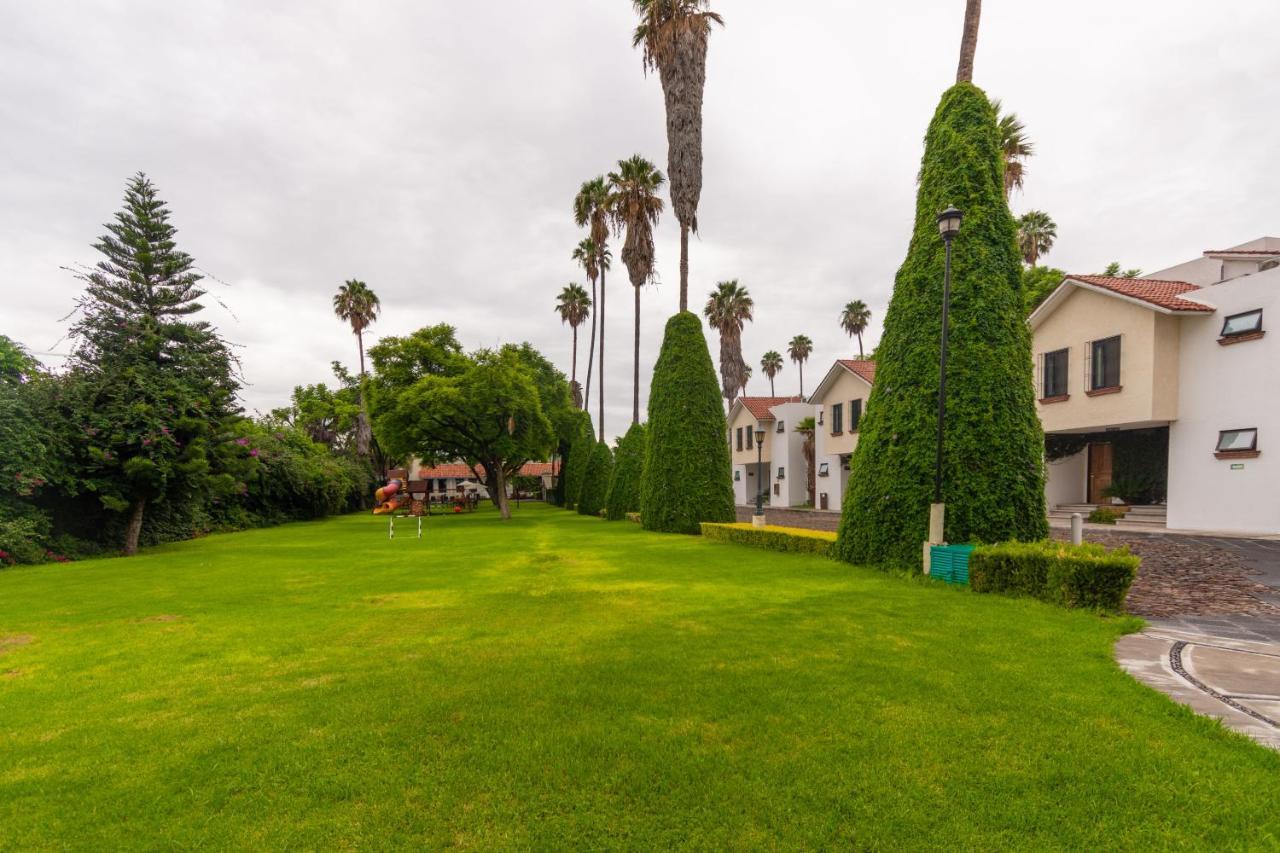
{"x": 1077, "y": 528}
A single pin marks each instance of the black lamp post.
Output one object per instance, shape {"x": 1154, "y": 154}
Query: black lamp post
{"x": 948, "y": 227}
{"x": 759, "y": 470}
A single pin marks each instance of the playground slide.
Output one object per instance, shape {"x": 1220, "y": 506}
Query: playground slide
{"x": 385, "y": 498}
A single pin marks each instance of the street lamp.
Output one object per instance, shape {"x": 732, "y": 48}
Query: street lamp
{"x": 948, "y": 228}
{"x": 760, "y": 471}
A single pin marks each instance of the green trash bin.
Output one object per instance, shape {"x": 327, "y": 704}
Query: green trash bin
{"x": 950, "y": 563}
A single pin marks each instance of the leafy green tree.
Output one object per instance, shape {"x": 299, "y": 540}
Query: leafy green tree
{"x": 628, "y": 470}
{"x": 148, "y": 389}
{"x": 595, "y": 482}
{"x": 1113, "y": 270}
{"x": 990, "y": 496}
{"x": 581, "y": 442}
{"x": 327, "y": 415}
{"x": 854, "y": 319}
{"x": 686, "y": 466}
{"x": 356, "y": 304}
{"x": 674, "y": 35}
{"x": 1037, "y": 284}
{"x": 771, "y": 364}
{"x": 15, "y": 361}
{"x": 484, "y": 409}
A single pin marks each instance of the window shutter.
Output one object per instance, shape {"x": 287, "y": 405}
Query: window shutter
{"x": 1040, "y": 373}
{"x": 1088, "y": 366}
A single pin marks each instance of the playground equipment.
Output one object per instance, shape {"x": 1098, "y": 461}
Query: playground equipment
{"x": 386, "y": 497}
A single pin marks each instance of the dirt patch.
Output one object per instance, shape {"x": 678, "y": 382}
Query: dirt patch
{"x": 1180, "y": 576}
{"x": 12, "y": 641}
{"x": 11, "y": 673}
{"x": 163, "y": 617}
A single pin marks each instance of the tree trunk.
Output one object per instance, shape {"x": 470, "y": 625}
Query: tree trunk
{"x": 364, "y": 432}
{"x": 573, "y": 371}
{"x": 591, "y": 350}
{"x": 684, "y": 267}
{"x": 134, "y": 528}
{"x": 860, "y": 355}
{"x": 600, "y": 378}
{"x": 635, "y": 370}
{"x": 969, "y": 41}
{"x": 801, "y": 363}
{"x": 360, "y": 344}
{"x": 500, "y": 492}
{"x": 772, "y": 393}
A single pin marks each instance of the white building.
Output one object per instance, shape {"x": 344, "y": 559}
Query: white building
{"x": 1179, "y": 359}
{"x": 837, "y": 405}
{"x": 779, "y": 460}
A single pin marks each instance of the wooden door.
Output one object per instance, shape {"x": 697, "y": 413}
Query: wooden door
{"x": 1099, "y": 471}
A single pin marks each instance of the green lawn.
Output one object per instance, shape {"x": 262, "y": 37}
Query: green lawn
{"x": 559, "y": 681}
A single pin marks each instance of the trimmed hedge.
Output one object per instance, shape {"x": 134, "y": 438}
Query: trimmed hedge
{"x": 575, "y": 462}
{"x": 793, "y": 540}
{"x": 687, "y": 476}
{"x": 628, "y": 469}
{"x": 990, "y": 496}
{"x": 1087, "y": 576}
{"x": 595, "y": 481}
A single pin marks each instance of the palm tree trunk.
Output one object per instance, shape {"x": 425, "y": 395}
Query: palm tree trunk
{"x": 860, "y": 345}
{"x": 600, "y": 381}
{"x": 133, "y": 529}
{"x": 573, "y": 371}
{"x": 969, "y": 41}
{"x": 772, "y": 393}
{"x": 360, "y": 344}
{"x": 684, "y": 267}
{"x": 635, "y": 369}
{"x": 801, "y": 363}
{"x": 591, "y": 350}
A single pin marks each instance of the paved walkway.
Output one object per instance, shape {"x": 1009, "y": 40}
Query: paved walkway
{"x": 1235, "y": 681}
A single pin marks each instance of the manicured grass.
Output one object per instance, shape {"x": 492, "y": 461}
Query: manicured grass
{"x": 559, "y": 681}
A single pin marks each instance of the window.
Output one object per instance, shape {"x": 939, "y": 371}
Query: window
{"x": 1235, "y": 440}
{"x": 1242, "y": 324}
{"x": 1268, "y": 265}
{"x": 1105, "y": 370}
{"x": 837, "y": 418}
{"x": 737, "y": 476}
{"x": 782, "y": 427}
{"x": 750, "y": 438}
{"x": 782, "y": 473}
{"x": 1054, "y": 368}
{"x": 824, "y": 469}
{"x": 739, "y": 438}
{"x": 855, "y": 414}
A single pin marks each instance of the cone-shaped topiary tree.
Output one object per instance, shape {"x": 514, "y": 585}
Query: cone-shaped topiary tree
{"x": 575, "y": 462}
{"x": 993, "y": 479}
{"x": 595, "y": 482}
{"x": 687, "y": 476}
{"x": 628, "y": 468}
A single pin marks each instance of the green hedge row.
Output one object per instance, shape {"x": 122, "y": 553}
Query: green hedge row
{"x": 793, "y": 540}
{"x": 1087, "y": 576}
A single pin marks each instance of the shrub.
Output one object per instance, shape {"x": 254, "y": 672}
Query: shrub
{"x": 1103, "y": 515}
{"x": 575, "y": 462}
{"x": 687, "y": 476}
{"x": 1087, "y": 576}
{"x": 628, "y": 468}
{"x": 595, "y": 480}
{"x": 990, "y": 395}
{"x": 795, "y": 540}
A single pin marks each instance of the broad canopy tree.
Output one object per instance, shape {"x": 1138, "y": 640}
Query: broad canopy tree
{"x": 493, "y": 409}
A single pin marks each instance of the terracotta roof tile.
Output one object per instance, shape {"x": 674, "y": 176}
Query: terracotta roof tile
{"x": 863, "y": 367}
{"x": 759, "y": 406}
{"x": 1165, "y": 294}
{"x": 458, "y": 471}
{"x": 1243, "y": 252}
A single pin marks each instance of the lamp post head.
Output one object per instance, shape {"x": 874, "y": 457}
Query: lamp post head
{"x": 759, "y": 434}
{"x": 949, "y": 223}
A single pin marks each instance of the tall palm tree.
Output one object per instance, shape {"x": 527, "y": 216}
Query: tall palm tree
{"x": 800, "y": 349}
{"x": 592, "y": 261}
{"x": 634, "y": 205}
{"x": 358, "y": 305}
{"x": 591, "y": 211}
{"x": 969, "y": 41}
{"x": 574, "y": 306}
{"x": 1036, "y": 233}
{"x": 1014, "y": 145}
{"x": 854, "y": 319}
{"x": 728, "y": 309}
{"x": 771, "y": 364}
{"x": 674, "y": 35}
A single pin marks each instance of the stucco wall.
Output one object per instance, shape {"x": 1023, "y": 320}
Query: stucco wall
{"x": 746, "y": 420}
{"x": 1066, "y": 480}
{"x": 845, "y": 388}
{"x": 1148, "y": 363}
{"x": 1228, "y": 387}
{"x": 789, "y": 449}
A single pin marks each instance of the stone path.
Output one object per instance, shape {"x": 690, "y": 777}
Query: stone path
{"x": 1235, "y": 681}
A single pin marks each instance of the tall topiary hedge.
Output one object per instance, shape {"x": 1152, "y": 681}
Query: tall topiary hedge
{"x": 687, "y": 477}
{"x": 993, "y": 476}
{"x": 628, "y": 468}
{"x": 595, "y": 482}
{"x": 575, "y": 463}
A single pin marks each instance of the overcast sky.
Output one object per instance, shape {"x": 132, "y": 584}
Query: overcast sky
{"x": 433, "y": 149}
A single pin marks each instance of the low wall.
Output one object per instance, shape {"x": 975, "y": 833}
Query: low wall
{"x": 783, "y": 517}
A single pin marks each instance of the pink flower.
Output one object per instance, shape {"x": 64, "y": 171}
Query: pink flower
{"x": 253, "y": 452}
{"x": 242, "y": 441}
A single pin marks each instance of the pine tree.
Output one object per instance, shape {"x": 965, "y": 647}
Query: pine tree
{"x": 993, "y": 480}
{"x": 595, "y": 482}
{"x": 576, "y": 461}
{"x": 151, "y": 387}
{"x": 687, "y": 475}
{"x": 628, "y": 469}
